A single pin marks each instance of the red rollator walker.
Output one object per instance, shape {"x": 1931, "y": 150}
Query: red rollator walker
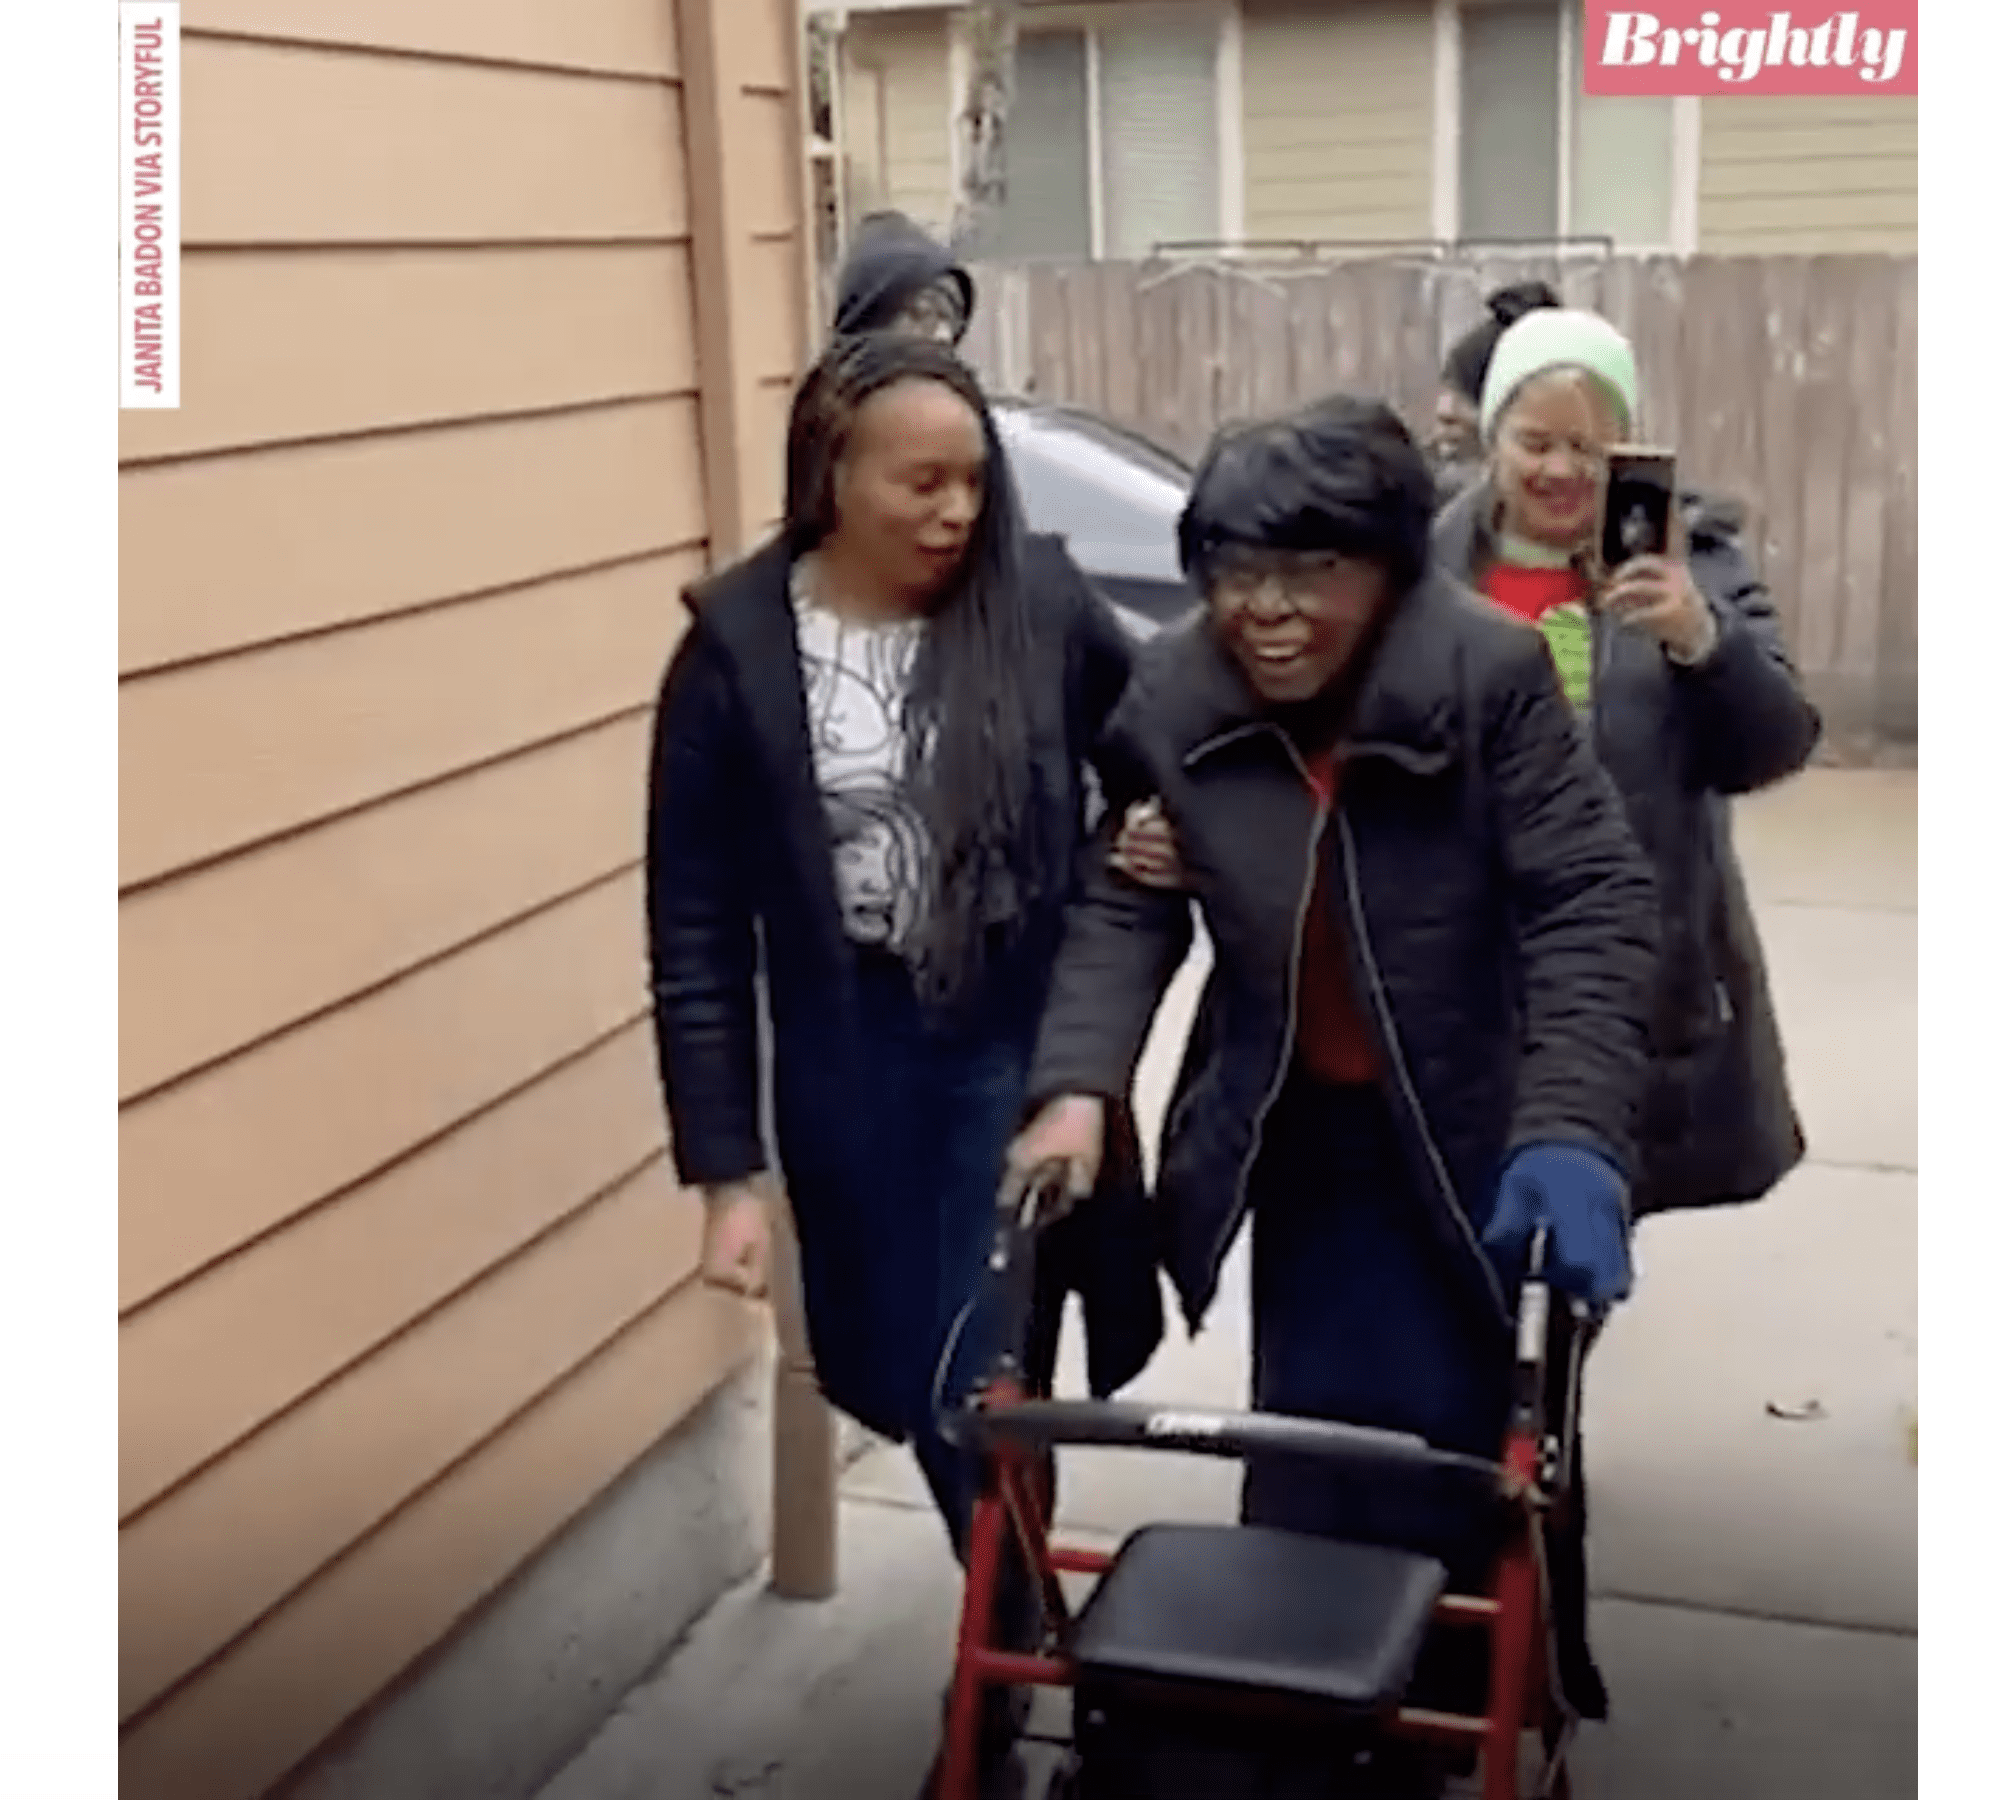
{"x": 1234, "y": 1662}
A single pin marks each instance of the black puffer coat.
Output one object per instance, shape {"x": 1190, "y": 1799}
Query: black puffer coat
{"x": 1500, "y": 918}
{"x": 1719, "y": 1126}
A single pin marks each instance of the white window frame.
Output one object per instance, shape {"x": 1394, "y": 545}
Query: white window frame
{"x": 1686, "y": 136}
{"x": 1088, "y": 19}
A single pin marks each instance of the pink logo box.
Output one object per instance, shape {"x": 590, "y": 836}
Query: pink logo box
{"x": 1688, "y": 47}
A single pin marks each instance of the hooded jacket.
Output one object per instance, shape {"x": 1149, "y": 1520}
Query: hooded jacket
{"x": 893, "y": 259}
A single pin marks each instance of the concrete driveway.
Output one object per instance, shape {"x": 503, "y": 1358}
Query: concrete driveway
{"x": 1753, "y": 1490}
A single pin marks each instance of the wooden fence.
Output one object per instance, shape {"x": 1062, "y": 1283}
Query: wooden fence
{"x": 1787, "y": 383}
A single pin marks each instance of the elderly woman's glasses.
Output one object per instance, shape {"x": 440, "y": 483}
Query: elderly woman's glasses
{"x": 1297, "y": 577}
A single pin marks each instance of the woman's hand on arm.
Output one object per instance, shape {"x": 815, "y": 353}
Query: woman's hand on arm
{"x": 1146, "y": 850}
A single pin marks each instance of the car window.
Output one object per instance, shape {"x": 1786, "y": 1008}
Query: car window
{"x": 1116, "y": 498}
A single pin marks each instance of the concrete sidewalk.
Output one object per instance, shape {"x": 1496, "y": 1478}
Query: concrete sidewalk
{"x": 1753, "y": 1497}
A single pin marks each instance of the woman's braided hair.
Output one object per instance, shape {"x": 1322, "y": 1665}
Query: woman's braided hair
{"x": 967, "y": 719}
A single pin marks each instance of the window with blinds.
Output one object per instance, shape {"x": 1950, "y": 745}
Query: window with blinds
{"x": 1156, "y": 97}
{"x": 1539, "y": 159}
{"x": 1047, "y": 210}
{"x": 1112, "y": 143}
{"x": 1509, "y": 121}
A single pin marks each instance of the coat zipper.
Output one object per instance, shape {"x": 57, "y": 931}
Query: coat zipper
{"x": 1359, "y": 920}
{"x": 1291, "y": 1037}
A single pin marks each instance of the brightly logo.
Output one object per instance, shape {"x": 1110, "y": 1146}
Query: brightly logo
{"x": 1751, "y": 48}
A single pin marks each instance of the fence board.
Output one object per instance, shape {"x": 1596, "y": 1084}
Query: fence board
{"x": 1778, "y": 534}
{"x": 1897, "y": 708}
{"x": 1825, "y": 424}
{"x": 1310, "y": 353}
{"x": 1786, "y": 383}
{"x": 1868, "y": 459}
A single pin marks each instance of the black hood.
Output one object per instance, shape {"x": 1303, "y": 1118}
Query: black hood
{"x": 892, "y": 259}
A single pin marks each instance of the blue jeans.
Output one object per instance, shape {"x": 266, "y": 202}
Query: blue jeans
{"x": 946, "y": 1105}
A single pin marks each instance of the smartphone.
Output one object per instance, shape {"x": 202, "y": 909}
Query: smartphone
{"x": 1641, "y": 504}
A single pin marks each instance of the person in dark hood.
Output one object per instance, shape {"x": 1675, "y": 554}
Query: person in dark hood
{"x": 896, "y": 276}
{"x": 1424, "y": 1033}
{"x": 1455, "y": 444}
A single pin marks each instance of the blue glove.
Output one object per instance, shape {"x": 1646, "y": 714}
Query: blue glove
{"x": 1580, "y": 1197}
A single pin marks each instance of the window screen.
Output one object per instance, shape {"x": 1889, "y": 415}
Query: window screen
{"x": 1622, "y": 155}
{"x": 1156, "y": 87}
{"x": 1047, "y": 210}
{"x": 1509, "y": 122}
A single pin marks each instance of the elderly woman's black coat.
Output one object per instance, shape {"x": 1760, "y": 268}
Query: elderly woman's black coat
{"x": 1719, "y": 1126}
{"x": 742, "y": 897}
{"x": 1500, "y": 918}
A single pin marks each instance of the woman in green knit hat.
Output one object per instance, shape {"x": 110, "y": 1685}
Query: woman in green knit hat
{"x": 1680, "y": 670}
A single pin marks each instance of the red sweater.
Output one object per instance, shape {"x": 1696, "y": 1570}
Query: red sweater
{"x": 1334, "y": 1041}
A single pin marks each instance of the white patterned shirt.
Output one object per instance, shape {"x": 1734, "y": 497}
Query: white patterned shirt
{"x": 856, "y": 682}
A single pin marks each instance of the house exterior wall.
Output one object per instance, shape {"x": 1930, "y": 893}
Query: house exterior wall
{"x": 1337, "y": 120}
{"x": 1339, "y": 140}
{"x": 406, "y": 1282}
{"x": 895, "y": 102}
{"x": 1808, "y": 176}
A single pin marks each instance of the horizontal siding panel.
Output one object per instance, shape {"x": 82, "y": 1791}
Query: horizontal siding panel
{"x": 219, "y": 554}
{"x": 1728, "y": 116}
{"x": 1387, "y": 134}
{"x": 1822, "y": 176}
{"x": 213, "y": 1556}
{"x": 430, "y": 151}
{"x": 228, "y": 1155}
{"x": 770, "y": 313}
{"x": 233, "y": 1731}
{"x": 1363, "y": 225}
{"x": 1811, "y": 225}
{"x": 247, "y": 947}
{"x": 759, "y": 51}
{"x": 627, "y": 37}
{"x": 1897, "y": 139}
{"x": 765, "y": 138}
{"x": 906, "y": 59}
{"x": 221, "y": 755}
{"x": 767, "y": 420}
{"x": 331, "y": 1288}
{"x": 278, "y": 345}
{"x": 1337, "y": 122}
{"x": 1360, "y": 184}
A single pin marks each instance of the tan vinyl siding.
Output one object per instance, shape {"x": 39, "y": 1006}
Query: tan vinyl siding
{"x": 1807, "y": 175}
{"x": 1337, "y": 120}
{"x": 405, "y": 1278}
{"x": 897, "y": 105}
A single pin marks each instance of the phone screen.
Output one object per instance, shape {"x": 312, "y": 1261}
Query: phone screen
{"x": 1641, "y": 503}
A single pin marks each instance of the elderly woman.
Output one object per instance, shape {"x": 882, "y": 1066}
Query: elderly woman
{"x": 867, "y": 798}
{"x": 1434, "y": 937}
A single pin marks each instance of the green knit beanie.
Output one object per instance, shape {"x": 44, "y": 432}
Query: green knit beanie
{"x": 1558, "y": 339}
